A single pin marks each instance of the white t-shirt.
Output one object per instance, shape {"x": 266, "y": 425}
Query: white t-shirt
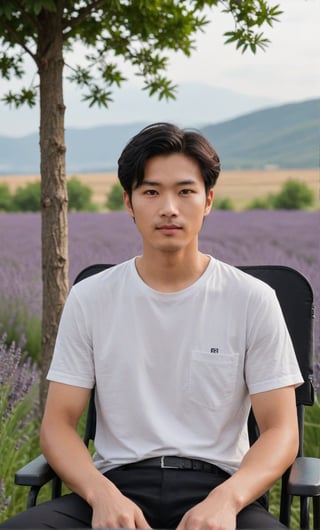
{"x": 173, "y": 371}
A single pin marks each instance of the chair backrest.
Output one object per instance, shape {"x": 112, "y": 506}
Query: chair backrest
{"x": 295, "y": 296}
{"x": 296, "y": 299}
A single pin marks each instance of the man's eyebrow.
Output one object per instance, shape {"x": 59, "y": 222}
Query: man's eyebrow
{"x": 187, "y": 182}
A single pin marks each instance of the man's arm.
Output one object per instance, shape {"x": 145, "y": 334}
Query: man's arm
{"x": 70, "y": 458}
{"x": 265, "y": 462}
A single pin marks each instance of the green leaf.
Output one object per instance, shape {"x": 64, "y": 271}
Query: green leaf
{"x": 161, "y": 86}
{"x": 9, "y": 65}
{"x": 36, "y": 6}
{"x": 81, "y": 76}
{"x": 26, "y": 95}
{"x": 98, "y": 96}
{"x": 7, "y": 9}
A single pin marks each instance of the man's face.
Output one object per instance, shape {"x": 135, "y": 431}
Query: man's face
{"x": 169, "y": 205}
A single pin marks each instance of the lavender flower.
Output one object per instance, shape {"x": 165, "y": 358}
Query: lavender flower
{"x": 250, "y": 237}
{"x": 19, "y": 413}
{"x": 5, "y": 500}
{"x": 17, "y": 377}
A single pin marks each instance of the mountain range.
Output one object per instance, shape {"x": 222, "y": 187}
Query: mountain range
{"x": 284, "y": 136}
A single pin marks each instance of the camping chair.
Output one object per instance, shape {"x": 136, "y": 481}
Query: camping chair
{"x": 303, "y": 478}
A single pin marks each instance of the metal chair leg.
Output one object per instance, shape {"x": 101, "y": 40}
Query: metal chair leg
{"x": 316, "y": 513}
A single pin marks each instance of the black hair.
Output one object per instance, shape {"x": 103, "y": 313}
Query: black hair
{"x": 165, "y": 139}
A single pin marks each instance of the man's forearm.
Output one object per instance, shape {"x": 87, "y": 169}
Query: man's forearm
{"x": 265, "y": 462}
{"x": 70, "y": 458}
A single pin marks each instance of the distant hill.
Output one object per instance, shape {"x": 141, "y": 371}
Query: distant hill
{"x": 285, "y": 136}
{"x": 195, "y": 103}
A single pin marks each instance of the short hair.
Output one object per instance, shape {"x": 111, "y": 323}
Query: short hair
{"x": 165, "y": 139}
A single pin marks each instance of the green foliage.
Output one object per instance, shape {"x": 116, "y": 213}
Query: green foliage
{"x": 260, "y": 203}
{"x": 225, "y": 203}
{"x": 27, "y": 198}
{"x": 247, "y": 18}
{"x": 5, "y": 198}
{"x": 79, "y": 196}
{"x": 115, "y": 198}
{"x": 8, "y": 64}
{"x": 16, "y": 100}
{"x": 19, "y": 424}
{"x": 295, "y": 195}
{"x": 18, "y": 324}
{"x": 139, "y": 32}
{"x": 312, "y": 430}
{"x": 19, "y": 445}
{"x": 312, "y": 449}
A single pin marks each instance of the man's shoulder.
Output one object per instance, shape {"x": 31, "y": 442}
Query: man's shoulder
{"x": 238, "y": 278}
{"x": 105, "y": 279}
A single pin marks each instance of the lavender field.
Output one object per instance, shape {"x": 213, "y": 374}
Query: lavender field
{"x": 240, "y": 238}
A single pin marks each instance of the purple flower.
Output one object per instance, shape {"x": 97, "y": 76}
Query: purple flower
{"x": 5, "y": 500}
{"x": 17, "y": 377}
{"x": 241, "y": 238}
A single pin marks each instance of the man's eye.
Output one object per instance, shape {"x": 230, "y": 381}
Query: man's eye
{"x": 186, "y": 192}
{"x": 150, "y": 192}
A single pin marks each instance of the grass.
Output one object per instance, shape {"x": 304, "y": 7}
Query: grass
{"x": 18, "y": 447}
{"x": 311, "y": 448}
{"x": 20, "y": 327}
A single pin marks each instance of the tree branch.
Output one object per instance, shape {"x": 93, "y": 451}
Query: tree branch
{"x": 15, "y": 38}
{"x": 83, "y": 13}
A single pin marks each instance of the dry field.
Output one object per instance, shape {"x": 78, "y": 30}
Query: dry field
{"x": 240, "y": 186}
{"x": 243, "y": 186}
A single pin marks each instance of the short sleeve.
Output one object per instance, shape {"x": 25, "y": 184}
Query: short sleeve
{"x": 72, "y": 361}
{"x": 270, "y": 357}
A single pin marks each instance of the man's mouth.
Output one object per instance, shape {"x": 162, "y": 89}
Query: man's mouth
{"x": 169, "y": 228}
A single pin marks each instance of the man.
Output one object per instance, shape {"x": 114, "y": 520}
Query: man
{"x": 178, "y": 346}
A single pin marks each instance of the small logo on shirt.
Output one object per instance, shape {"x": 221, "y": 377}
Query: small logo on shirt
{"x": 214, "y": 350}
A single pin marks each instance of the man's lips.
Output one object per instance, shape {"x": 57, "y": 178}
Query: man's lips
{"x": 168, "y": 229}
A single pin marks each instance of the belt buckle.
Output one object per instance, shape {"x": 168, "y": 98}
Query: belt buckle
{"x": 164, "y": 466}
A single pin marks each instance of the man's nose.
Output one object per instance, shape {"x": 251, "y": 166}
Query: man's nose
{"x": 168, "y": 206}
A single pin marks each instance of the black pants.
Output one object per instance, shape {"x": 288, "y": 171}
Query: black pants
{"x": 164, "y": 495}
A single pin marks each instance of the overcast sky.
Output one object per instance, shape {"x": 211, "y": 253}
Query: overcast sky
{"x": 288, "y": 71}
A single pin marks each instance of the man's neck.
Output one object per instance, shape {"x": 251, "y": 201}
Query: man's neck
{"x": 171, "y": 273}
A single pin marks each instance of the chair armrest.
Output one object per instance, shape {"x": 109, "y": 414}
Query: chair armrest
{"x": 304, "y": 478}
{"x": 35, "y": 473}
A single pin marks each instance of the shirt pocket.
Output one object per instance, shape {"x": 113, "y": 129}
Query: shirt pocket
{"x": 212, "y": 378}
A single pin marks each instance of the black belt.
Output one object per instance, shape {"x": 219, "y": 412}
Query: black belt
{"x": 177, "y": 462}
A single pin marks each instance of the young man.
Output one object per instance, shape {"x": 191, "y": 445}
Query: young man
{"x": 178, "y": 346}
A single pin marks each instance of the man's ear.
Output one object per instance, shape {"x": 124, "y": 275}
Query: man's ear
{"x": 209, "y": 202}
{"x": 127, "y": 203}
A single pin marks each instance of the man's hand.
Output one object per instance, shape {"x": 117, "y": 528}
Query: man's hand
{"x": 263, "y": 464}
{"x": 215, "y": 512}
{"x": 111, "y": 509}
{"x": 67, "y": 454}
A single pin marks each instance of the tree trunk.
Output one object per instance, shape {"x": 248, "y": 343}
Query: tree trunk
{"x": 54, "y": 200}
